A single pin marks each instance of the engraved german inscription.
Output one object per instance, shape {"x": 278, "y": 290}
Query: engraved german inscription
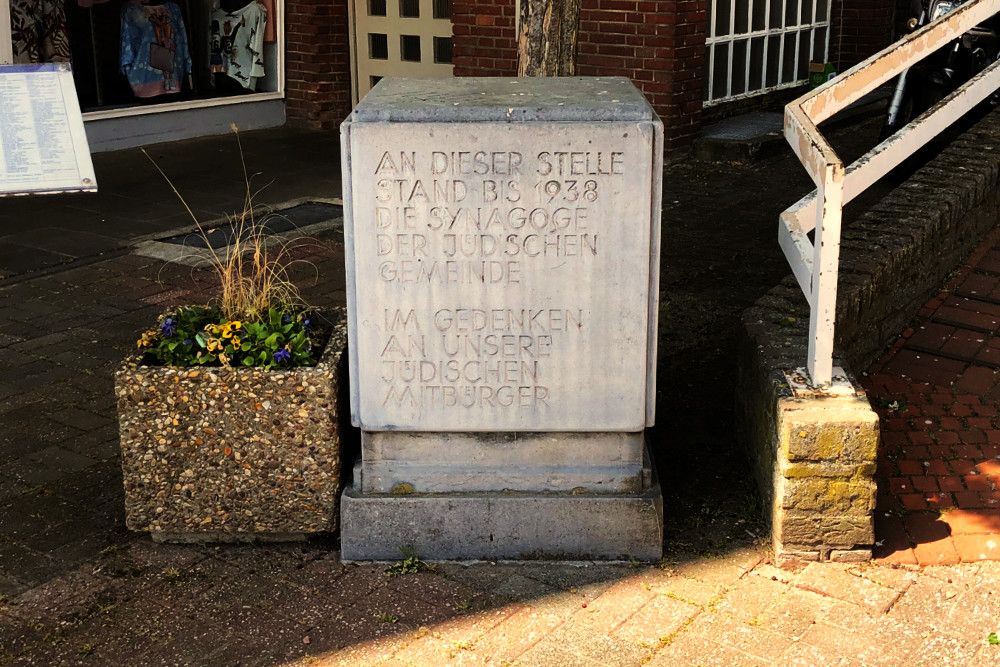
{"x": 505, "y": 278}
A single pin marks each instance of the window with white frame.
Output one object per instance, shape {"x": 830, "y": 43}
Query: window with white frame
{"x": 755, "y": 46}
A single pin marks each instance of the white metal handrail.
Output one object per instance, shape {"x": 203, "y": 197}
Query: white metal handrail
{"x": 815, "y": 263}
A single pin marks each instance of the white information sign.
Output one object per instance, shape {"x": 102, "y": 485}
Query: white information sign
{"x": 43, "y": 145}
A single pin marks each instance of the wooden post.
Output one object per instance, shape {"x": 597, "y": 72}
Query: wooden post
{"x": 546, "y": 45}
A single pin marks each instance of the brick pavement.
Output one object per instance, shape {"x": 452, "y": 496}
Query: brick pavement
{"x": 936, "y": 392}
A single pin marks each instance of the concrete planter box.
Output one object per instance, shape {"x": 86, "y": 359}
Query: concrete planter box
{"x": 231, "y": 454}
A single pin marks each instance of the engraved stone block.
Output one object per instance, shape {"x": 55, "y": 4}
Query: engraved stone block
{"x": 502, "y": 248}
{"x": 502, "y": 272}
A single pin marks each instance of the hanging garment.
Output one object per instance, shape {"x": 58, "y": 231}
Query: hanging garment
{"x": 237, "y": 43}
{"x": 154, "y": 49}
{"x": 38, "y": 31}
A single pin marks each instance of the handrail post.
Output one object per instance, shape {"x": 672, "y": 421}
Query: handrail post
{"x": 826, "y": 258}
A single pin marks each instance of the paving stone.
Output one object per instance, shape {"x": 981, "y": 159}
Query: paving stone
{"x": 408, "y": 612}
{"x": 751, "y": 637}
{"x": 803, "y": 654}
{"x": 517, "y": 633}
{"x": 688, "y": 590}
{"x": 364, "y": 653}
{"x": 974, "y": 614}
{"x": 691, "y": 649}
{"x": 751, "y": 597}
{"x": 974, "y": 548}
{"x": 552, "y": 655}
{"x": 455, "y": 639}
{"x": 591, "y": 647}
{"x": 614, "y": 606}
{"x": 62, "y": 459}
{"x": 658, "y": 619}
{"x": 844, "y": 582}
{"x": 937, "y": 552}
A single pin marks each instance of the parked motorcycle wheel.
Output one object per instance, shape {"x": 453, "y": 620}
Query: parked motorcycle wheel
{"x": 919, "y": 96}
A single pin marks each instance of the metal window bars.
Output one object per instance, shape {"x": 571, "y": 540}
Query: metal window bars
{"x": 755, "y": 46}
{"x": 815, "y": 262}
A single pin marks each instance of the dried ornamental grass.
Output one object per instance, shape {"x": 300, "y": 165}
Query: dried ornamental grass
{"x": 258, "y": 319}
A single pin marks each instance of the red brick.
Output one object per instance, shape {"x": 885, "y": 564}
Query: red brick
{"x": 911, "y": 468}
{"x": 968, "y": 500}
{"x": 901, "y": 485}
{"x": 937, "y": 468}
{"x": 974, "y": 548}
{"x": 989, "y": 467}
{"x": 925, "y": 484}
{"x": 968, "y": 451}
{"x": 951, "y": 484}
{"x": 977, "y": 482}
{"x": 940, "y": 552}
{"x": 962, "y": 467}
{"x": 939, "y": 501}
{"x": 972, "y": 522}
{"x": 913, "y": 501}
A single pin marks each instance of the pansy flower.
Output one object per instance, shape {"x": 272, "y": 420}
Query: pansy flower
{"x": 147, "y": 339}
{"x": 236, "y": 342}
{"x": 282, "y": 356}
{"x": 213, "y": 344}
{"x": 167, "y": 327}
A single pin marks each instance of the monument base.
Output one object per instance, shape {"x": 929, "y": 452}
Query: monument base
{"x": 573, "y": 525}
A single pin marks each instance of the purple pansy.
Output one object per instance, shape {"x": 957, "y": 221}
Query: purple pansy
{"x": 167, "y": 327}
{"x": 282, "y": 356}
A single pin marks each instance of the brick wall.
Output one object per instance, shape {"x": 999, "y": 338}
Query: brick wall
{"x": 859, "y": 29}
{"x": 658, "y": 44}
{"x": 484, "y": 41}
{"x": 317, "y": 63}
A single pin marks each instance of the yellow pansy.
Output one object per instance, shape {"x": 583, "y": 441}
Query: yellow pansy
{"x": 213, "y": 344}
{"x": 236, "y": 342}
{"x": 147, "y": 339}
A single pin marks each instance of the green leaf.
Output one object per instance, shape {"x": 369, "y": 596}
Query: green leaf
{"x": 201, "y": 338}
{"x": 993, "y": 639}
{"x": 274, "y": 317}
{"x": 272, "y": 340}
{"x": 248, "y": 361}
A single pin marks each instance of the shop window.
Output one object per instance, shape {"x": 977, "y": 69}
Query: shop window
{"x": 409, "y": 9}
{"x": 131, "y": 53}
{"x": 376, "y": 7}
{"x": 378, "y": 46}
{"x": 409, "y": 48}
{"x": 442, "y": 49}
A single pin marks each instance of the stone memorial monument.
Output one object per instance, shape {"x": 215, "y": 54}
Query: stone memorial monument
{"x": 502, "y": 242}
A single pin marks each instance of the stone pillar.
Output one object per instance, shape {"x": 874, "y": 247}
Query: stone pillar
{"x": 502, "y": 243}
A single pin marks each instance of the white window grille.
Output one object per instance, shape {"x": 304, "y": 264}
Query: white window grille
{"x": 755, "y": 46}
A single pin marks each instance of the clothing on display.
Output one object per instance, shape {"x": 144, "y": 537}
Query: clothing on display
{"x": 154, "y": 48}
{"x": 38, "y": 31}
{"x": 237, "y": 43}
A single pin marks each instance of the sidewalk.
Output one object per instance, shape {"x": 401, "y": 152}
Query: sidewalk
{"x": 134, "y": 202}
{"x": 77, "y": 588}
